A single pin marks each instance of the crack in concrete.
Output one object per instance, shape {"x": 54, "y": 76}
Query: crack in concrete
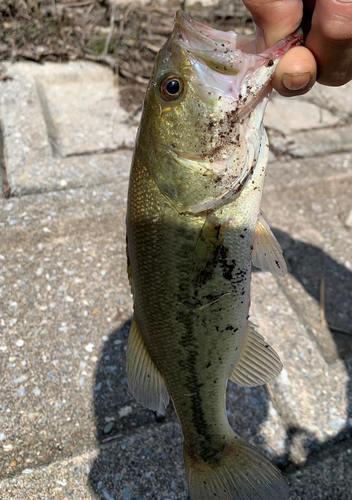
{"x": 48, "y": 119}
{"x": 123, "y": 147}
{"x": 3, "y": 171}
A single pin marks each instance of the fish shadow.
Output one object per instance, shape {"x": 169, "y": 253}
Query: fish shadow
{"x": 309, "y": 265}
{"x": 140, "y": 455}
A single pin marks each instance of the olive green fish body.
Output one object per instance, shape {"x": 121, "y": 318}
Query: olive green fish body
{"x": 193, "y": 227}
{"x": 191, "y": 295}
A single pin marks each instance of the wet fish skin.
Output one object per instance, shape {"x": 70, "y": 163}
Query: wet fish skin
{"x": 193, "y": 209}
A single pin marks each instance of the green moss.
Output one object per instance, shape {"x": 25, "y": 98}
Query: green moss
{"x": 96, "y": 47}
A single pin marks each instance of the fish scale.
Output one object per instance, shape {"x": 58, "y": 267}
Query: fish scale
{"x": 193, "y": 227}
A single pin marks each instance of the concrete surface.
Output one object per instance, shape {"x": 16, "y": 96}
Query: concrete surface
{"x": 62, "y": 128}
{"x": 69, "y": 428}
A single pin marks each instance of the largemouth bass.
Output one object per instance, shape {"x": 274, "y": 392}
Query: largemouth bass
{"x": 193, "y": 227}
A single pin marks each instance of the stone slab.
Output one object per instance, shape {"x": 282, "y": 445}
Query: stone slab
{"x": 298, "y": 174}
{"x": 59, "y": 124}
{"x": 337, "y": 100}
{"x": 315, "y": 124}
{"x": 291, "y": 115}
{"x": 54, "y": 174}
{"x": 316, "y": 142}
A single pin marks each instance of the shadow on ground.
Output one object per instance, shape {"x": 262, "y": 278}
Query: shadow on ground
{"x": 141, "y": 457}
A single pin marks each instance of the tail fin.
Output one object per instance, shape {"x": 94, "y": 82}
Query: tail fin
{"x": 241, "y": 473}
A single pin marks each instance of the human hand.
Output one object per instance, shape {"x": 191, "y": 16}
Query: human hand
{"x": 327, "y": 54}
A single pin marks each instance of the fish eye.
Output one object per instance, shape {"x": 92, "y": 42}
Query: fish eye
{"x": 171, "y": 88}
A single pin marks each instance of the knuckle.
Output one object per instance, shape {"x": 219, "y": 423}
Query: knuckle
{"x": 337, "y": 28}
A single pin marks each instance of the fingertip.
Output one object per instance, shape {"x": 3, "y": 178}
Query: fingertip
{"x": 296, "y": 73}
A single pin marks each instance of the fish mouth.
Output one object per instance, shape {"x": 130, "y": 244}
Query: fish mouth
{"x": 228, "y": 62}
{"x": 196, "y": 36}
{"x": 196, "y": 33}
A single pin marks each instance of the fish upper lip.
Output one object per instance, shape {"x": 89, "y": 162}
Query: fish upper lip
{"x": 185, "y": 25}
{"x": 190, "y": 30}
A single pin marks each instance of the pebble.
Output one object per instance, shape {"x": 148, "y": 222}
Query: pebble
{"x": 108, "y": 428}
{"x": 20, "y": 343}
{"x": 284, "y": 377}
{"x": 126, "y": 410}
{"x": 337, "y": 423}
{"x": 98, "y": 386}
{"x": 107, "y": 495}
{"x": 126, "y": 493}
{"x": 272, "y": 411}
{"x": 89, "y": 347}
{"x": 348, "y": 220}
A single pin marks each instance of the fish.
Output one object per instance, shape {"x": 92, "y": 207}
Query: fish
{"x": 194, "y": 226}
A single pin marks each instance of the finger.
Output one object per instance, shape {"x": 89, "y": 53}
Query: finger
{"x": 330, "y": 40}
{"x": 276, "y": 18}
{"x": 295, "y": 74}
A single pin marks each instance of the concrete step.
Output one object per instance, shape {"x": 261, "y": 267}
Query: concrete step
{"x": 59, "y": 124}
{"x": 315, "y": 124}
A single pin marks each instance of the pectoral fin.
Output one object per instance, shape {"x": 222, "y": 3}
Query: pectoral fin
{"x": 258, "y": 362}
{"x": 144, "y": 379}
{"x": 267, "y": 253}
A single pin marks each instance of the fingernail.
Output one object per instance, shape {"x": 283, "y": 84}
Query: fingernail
{"x": 295, "y": 81}
{"x": 345, "y": 1}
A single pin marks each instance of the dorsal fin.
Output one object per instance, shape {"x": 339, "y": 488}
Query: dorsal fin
{"x": 267, "y": 253}
{"x": 258, "y": 362}
{"x": 144, "y": 379}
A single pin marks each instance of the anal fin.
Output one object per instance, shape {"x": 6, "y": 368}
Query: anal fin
{"x": 267, "y": 253}
{"x": 258, "y": 362}
{"x": 144, "y": 379}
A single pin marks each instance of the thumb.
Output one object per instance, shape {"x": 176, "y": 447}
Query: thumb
{"x": 275, "y": 19}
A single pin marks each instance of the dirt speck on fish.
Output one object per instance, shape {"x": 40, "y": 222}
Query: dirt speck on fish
{"x": 193, "y": 227}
